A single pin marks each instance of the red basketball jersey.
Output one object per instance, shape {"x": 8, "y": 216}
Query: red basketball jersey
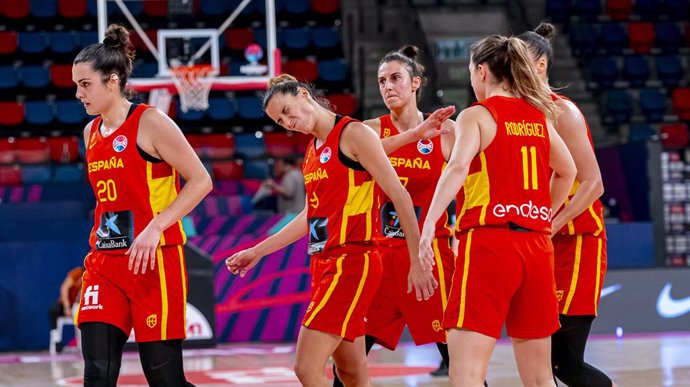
{"x": 591, "y": 220}
{"x": 419, "y": 166}
{"x": 129, "y": 188}
{"x": 340, "y": 198}
{"x": 509, "y": 181}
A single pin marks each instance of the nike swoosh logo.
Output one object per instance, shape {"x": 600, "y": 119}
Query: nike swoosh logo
{"x": 157, "y": 366}
{"x": 668, "y": 307}
{"x": 610, "y": 289}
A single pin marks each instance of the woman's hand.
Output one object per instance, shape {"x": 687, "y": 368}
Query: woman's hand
{"x": 142, "y": 253}
{"x": 431, "y": 127}
{"x": 241, "y": 262}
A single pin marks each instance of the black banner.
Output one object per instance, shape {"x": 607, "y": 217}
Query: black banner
{"x": 644, "y": 300}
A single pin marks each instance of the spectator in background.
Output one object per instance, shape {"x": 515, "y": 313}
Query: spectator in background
{"x": 69, "y": 291}
{"x": 290, "y": 190}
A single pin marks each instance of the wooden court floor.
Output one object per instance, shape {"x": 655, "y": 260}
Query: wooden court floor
{"x": 633, "y": 361}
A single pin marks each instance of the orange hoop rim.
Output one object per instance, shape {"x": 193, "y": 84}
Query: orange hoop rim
{"x": 203, "y": 69}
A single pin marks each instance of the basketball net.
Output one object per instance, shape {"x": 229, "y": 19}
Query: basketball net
{"x": 193, "y": 83}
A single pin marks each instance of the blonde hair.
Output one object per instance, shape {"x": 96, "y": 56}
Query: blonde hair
{"x": 508, "y": 59}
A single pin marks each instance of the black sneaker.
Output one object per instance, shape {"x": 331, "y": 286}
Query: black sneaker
{"x": 442, "y": 370}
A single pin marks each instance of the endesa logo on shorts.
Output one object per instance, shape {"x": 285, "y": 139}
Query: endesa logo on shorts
{"x": 526, "y": 210}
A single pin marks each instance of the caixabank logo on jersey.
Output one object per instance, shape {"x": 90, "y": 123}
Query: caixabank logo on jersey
{"x": 318, "y": 234}
{"x": 390, "y": 221}
{"x": 115, "y": 230}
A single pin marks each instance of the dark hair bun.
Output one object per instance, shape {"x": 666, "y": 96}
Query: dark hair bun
{"x": 546, "y": 30}
{"x": 116, "y": 36}
{"x": 410, "y": 51}
{"x": 282, "y": 78}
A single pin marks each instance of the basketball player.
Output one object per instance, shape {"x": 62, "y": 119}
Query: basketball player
{"x": 418, "y": 165}
{"x": 505, "y": 148}
{"x": 135, "y": 272}
{"x": 341, "y": 216}
{"x": 579, "y": 235}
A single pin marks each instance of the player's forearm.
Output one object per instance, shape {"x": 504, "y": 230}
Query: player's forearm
{"x": 393, "y": 143}
{"x": 293, "y": 231}
{"x": 587, "y": 192}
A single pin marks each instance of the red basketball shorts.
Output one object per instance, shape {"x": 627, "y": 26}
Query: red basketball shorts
{"x": 580, "y": 262}
{"x": 342, "y": 288}
{"x": 154, "y": 304}
{"x": 393, "y": 307}
{"x": 503, "y": 275}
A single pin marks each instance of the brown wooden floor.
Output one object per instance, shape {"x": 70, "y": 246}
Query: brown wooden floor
{"x": 634, "y": 361}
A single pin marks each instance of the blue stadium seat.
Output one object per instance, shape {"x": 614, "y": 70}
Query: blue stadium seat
{"x": 296, "y": 7}
{"x": 261, "y": 39}
{"x": 295, "y": 38}
{"x": 603, "y": 71}
{"x": 221, "y": 109}
{"x": 614, "y": 38}
{"x": 38, "y": 112}
{"x": 69, "y": 173}
{"x": 333, "y": 70}
{"x": 653, "y": 104}
{"x": 249, "y": 146}
{"x": 33, "y": 42}
{"x": 647, "y": 9}
{"x": 71, "y": 112}
{"x": 35, "y": 174}
{"x": 189, "y": 115}
{"x": 62, "y": 41}
{"x": 588, "y": 9}
{"x": 87, "y": 38}
{"x": 677, "y": 9}
{"x": 214, "y": 7}
{"x": 145, "y": 70}
{"x": 584, "y": 39}
{"x": 234, "y": 67}
{"x": 325, "y": 37}
{"x": 255, "y": 169}
{"x": 35, "y": 76}
{"x": 668, "y": 36}
{"x": 136, "y": 8}
{"x": 636, "y": 70}
{"x": 558, "y": 10}
{"x": 618, "y": 106}
{"x": 92, "y": 7}
{"x": 43, "y": 8}
{"x": 9, "y": 77}
{"x": 251, "y": 8}
{"x": 669, "y": 70}
{"x": 641, "y": 132}
{"x": 250, "y": 108}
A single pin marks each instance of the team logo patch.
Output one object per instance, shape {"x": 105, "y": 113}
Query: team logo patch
{"x": 318, "y": 234}
{"x": 425, "y": 146}
{"x": 325, "y": 155}
{"x": 120, "y": 143}
{"x": 559, "y": 295}
{"x": 437, "y": 326}
{"x": 115, "y": 230}
{"x": 386, "y": 132}
{"x": 390, "y": 222}
{"x": 152, "y": 320}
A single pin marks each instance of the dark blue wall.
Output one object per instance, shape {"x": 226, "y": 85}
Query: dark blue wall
{"x": 30, "y": 281}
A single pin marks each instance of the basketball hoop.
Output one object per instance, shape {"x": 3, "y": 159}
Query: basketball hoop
{"x": 193, "y": 83}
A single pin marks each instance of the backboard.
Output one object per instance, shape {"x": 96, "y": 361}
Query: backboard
{"x": 236, "y": 37}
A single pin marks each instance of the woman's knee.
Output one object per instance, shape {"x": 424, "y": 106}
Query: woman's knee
{"x": 305, "y": 370}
